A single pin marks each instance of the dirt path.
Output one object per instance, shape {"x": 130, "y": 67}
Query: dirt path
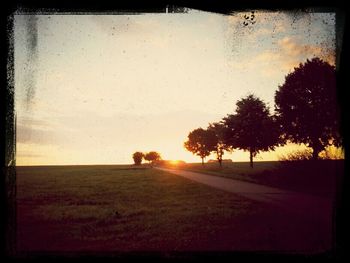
{"x": 308, "y": 206}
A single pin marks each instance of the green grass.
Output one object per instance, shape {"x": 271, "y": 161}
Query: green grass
{"x": 117, "y": 208}
{"x": 126, "y": 208}
{"x": 313, "y": 177}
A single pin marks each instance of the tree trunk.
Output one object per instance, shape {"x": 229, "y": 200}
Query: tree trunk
{"x": 316, "y": 149}
{"x": 203, "y": 161}
{"x": 251, "y": 158}
{"x": 220, "y": 162}
{"x": 315, "y": 153}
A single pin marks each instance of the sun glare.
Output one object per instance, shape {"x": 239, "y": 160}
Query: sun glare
{"x": 174, "y": 162}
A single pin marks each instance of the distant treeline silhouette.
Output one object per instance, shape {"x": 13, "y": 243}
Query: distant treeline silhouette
{"x": 151, "y": 157}
{"x": 306, "y": 111}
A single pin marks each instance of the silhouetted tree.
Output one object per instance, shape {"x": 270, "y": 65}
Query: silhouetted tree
{"x": 152, "y": 157}
{"x": 201, "y": 142}
{"x": 138, "y": 156}
{"x": 307, "y": 106}
{"x": 220, "y": 148}
{"x": 252, "y": 128}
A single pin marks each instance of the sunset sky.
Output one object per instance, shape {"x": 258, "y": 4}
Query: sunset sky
{"x": 93, "y": 89}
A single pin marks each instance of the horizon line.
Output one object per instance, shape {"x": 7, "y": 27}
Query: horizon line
{"x": 257, "y": 161}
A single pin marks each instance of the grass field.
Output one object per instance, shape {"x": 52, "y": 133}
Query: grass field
{"x": 314, "y": 177}
{"x": 127, "y": 208}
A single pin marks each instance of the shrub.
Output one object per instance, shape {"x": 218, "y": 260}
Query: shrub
{"x": 299, "y": 155}
{"x": 332, "y": 153}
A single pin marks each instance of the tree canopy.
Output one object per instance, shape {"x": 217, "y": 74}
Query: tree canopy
{"x": 201, "y": 142}
{"x": 251, "y": 128}
{"x": 152, "y": 157}
{"x": 138, "y": 156}
{"x": 219, "y": 129}
{"x": 306, "y": 105}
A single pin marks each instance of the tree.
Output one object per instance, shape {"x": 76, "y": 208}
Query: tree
{"x": 307, "y": 106}
{"x": 152, "y": 157}
{"x": 201, "y": 142}
{"x": 138, "y": 156}
{"x": 251, "y": 128}
{"x": 220, "y": 148}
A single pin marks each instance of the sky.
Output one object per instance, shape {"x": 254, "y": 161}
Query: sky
{"x": 93, "y": 89}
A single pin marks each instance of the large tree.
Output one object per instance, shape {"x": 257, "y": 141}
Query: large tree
{"x": 220, "y": 148}
{"x": 138, "y": 156}
{"x": 152, "y": 157}
{"x": 307, "y": 106}
{"x": 201, "y": 142}
{"x": 251, "y": 128}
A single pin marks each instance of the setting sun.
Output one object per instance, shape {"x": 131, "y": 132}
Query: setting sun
{"x": 174, "y": 162}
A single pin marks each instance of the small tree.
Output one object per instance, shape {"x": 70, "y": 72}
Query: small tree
{"x": 307, "y": 106}
{"x": 220, "y": 148}
{"x": 152, "y": 157}
{"x": 201, "y": 142}
{"x": 138, "y": 156}
{"x": 252, "y": 128}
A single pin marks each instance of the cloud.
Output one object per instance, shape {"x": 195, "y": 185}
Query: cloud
{"x": 30, "y": 130}
{"x": 260, "y": 61}
{"x": 35, "y": 123}
{"x": 267, "y": 56}
{"x": 28, "y": 134}
{"x": 279, "y": 27}
{"x": 36, "y": 154}
{"x": 289, "y": 46}
{"x": 284, "y": 57}
{"x": 28, "y": 154}
{"x": 294, "y": 42}
{"x": 294, "y": 52}
{"x": 98, "y": 138}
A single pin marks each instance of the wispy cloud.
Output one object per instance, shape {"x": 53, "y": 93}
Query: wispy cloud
{"x": 28, "y": 154}
{"x": 30, "y": 130}
{"x": 98, "y": 137}
{"x": 287, "y": 54}
{"x": 293, "y": 50}
{"x": 38, "y": 124}
{"x": 27, "y": 134}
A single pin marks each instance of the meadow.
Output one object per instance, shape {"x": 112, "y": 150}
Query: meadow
{"x": 121, "y": 208}
{"x": 321, "y": 177}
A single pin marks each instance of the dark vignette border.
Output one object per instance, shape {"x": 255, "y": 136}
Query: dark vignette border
{"x": 8, "y": 119}
{"x": 8, "y": 140}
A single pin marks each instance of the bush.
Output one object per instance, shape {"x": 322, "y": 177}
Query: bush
{"x": 332, "y": 153}
{"x": 299, "y": 155}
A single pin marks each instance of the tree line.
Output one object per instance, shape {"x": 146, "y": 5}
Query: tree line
{"x": 306, "y": 111}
